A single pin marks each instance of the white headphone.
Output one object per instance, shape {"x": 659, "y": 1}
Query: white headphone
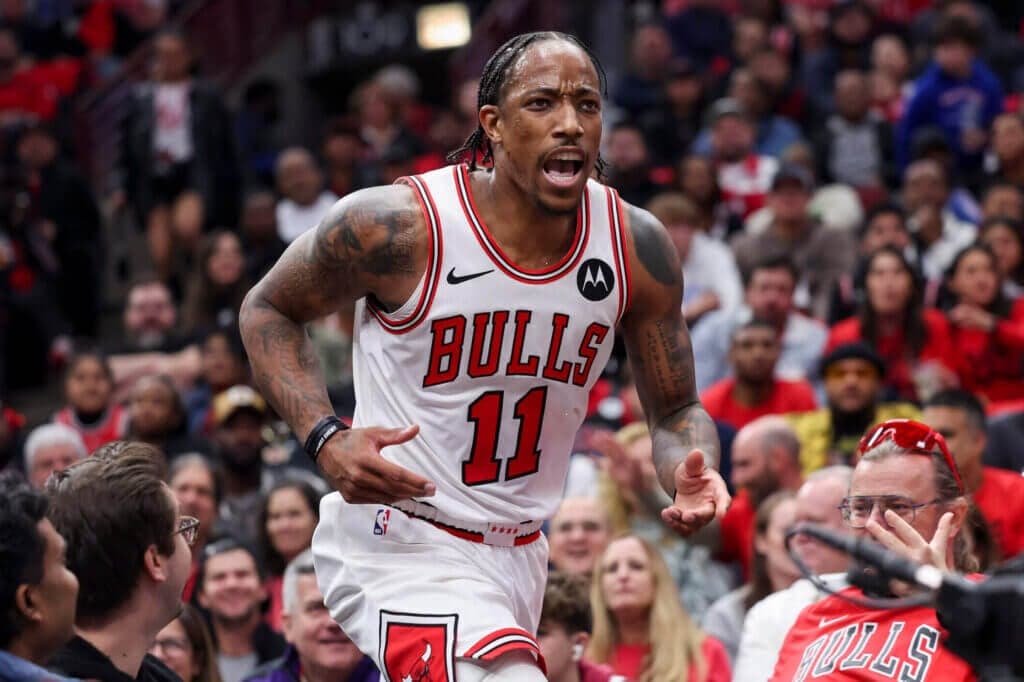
{"x": 577, "y": 652}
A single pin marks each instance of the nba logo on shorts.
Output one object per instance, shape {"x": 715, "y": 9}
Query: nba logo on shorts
{"x": 380, "y": 524}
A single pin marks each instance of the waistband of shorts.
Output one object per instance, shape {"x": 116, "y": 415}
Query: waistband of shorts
{"x": 491, "y": 533}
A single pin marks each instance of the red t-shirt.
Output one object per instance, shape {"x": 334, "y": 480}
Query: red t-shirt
{"x": 992, "y": 363}
{"x": 1000, "y": 497}
{"x": 835, "y": 640}
{"x": 628, "y": 661}
{"x": 113, "y": 426}
{"x": 786, "y": 396}
{"x": 892, "y": 348}
{"x": 737, "y": 532}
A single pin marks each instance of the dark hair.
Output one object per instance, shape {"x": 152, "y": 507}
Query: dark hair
{"x": 781, "y": 262}
{"x": 959, "y": 399}
{"x": 88, "y": 353}
{"x": 954, "y": 28}
{"x": 233, "y": 337}
{"x": 493, "y": 80}
{"x": 715, "y": 199}
{"x": 567, "y": 602}
{"x": 178, "y": 405}
{"x": 203, "y": 651}
{"x": 884, "y": 208}
{"x": 272, "y": 559}
{"x": 203, "y": 297}
{"x": 754, "y": 323}
{"x": 760, "y": 583}
{"x": 223, "y": 545}
{"x": 999, "y": 306}
{"x": 916, "y": 334}
{"x": 110, "y": 508}
{"x": 1016, "y": 228}
{"x": 21, "y": 548}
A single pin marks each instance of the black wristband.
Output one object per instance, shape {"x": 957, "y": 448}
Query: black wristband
{"x": 321, "y": 433}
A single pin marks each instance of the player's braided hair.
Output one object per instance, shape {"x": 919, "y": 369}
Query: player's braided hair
{"x": 493, "y": 80}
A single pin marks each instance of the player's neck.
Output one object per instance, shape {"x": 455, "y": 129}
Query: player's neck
{"x": 531, "y": 236}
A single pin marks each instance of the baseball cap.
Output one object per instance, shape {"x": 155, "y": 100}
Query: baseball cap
{"x": 853, "y": 351}
{"x": 724, "y": 107}
{"x": 237, "y": 398}
{"x": 793, "y": 172}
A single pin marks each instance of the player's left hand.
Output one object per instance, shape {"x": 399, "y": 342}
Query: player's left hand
{"x": 701, "y": 496}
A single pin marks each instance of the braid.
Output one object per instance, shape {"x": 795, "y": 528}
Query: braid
{"x": 493, "y": 80}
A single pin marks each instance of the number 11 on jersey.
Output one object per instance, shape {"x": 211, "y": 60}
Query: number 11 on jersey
{"x": 483, "y": 465}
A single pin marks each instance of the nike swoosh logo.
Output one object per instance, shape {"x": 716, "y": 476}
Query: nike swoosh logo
{"x": 828, "y": 621}
{"x": 456, "y": 279}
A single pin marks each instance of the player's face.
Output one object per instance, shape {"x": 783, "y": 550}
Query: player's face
{"x": 309, "y": 628}
{"x": 627, "y": 579}
{"x": 547, "y": 128}
{"x": 579, "y": 533}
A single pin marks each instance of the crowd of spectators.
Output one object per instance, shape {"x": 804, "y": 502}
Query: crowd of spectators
{"x": 843, "y": 181}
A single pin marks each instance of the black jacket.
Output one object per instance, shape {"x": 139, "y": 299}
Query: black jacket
{"x": 80, "y": 659}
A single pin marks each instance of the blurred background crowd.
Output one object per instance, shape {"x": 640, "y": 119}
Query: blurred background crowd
{"x": 843, "y": 180}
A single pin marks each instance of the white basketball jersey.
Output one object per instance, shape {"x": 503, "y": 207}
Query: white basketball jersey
{"x": 493, "y": 362}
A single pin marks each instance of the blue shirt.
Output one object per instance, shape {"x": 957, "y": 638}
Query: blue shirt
{"x": 14, "y": 669}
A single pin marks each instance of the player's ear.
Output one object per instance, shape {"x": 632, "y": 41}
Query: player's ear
{"x": 490, "y": 121}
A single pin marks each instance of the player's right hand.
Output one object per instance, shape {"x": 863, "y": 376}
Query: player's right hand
{"x": 351, "y": 462}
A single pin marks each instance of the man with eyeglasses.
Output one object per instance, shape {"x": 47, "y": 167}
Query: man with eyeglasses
{"x": 907, "y": 494}
{"x": 129, "y": 547}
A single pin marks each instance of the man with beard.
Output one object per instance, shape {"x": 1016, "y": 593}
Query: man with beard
{"x": 232, "y": 588}
{"x": 765, "y": 459}
{"x": 853, "y": 380}
{"x": 239, "y": 416}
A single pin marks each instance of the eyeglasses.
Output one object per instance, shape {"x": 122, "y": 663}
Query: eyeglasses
{"x": 171, "y": 645}
{"x": 914, "y": 437}
{"x": 857, "y": 510}
{"x": 188, "y": 526}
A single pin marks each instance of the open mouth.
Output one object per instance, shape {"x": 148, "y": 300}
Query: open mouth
{"x": 563, "y": 168}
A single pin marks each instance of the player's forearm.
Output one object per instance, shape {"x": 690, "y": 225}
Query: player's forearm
{"x": 677, "y": 434}
{"x": 284, "y": 363}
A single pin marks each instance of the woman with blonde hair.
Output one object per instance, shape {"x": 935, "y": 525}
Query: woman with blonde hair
{"x": 640, "y": 627}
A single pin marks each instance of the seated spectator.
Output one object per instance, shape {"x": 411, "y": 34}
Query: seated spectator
{"x": 775, "y": 134}
{"x": 577, "y": 534}
{"x": 641, "y": 630}
{"x": 564, "y": 630}
{"x": 12, "y": 424}
{"x": 198, "y": 488}
{"x": 1005, "y": 434}
{"x": 90, "y": 409}
{"x": 709, "y": 269}
{"x": 821, "y": 255}
{"x": 628, "y": 488}
{"x": 914, "y": 342}
{"x": 765, "y": 460}
{"x": 178, "y": 155}
{"x": 905, "y": 493}
{"x": 855, "y": 144}
{"x": 50, "y": 448}
{"x": 987, "y": 329}
{"x": 999, "y": 494}
{"x": 768, "y": 621}
{"x": 304, "y": 201}
{"x": 262, "y": 245}
{"x": 232, "y": 589}
{"x": 37, "y": 591}
{"x": 744, "y": 176}
{"x": 671, "y": 126}
{"x": 698, "y": 181}
{"x": 768, "y": 295}
{"x": 771, "y": 570}
{"x": 156, "y": 416}
{"x": 1007, "y": 147}
{"x": 343, "y": 152}
{"x": 640, "y": 87}
{"x": 1002, "y": 200}
{"x": 318, "y": 650}
{"x": 630, "y": 164}
{"x": 931, "y": 145}
{"x": 26, "y": 93}
{"x": 1006, "y": 239}
{"x": 216, "y": 285}
{"x": 289, "y": 516}
{"x": 852, "y": 375}
{"x": 753, "y": 390}
{"x": 938, "y": 232}
{"x": 222, "y": 364}
{"x": 888, "y": 79}
{"x": 129, "y": 547}
{"x": 184, "y": 646}
{"x": 850, "y": 28}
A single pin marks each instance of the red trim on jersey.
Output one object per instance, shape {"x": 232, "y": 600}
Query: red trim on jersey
{"x": 501, "y": 642}
{"x": 433, "y": 270}
{"x": 620, "y": 245}
{"x": 473, "y": 536}
{"x": 494, "y": 251}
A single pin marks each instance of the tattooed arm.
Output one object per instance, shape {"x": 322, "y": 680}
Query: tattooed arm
{"x": 658, "y": 343}
{"x": 370, "y": 243}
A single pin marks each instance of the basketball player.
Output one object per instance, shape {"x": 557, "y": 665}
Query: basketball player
{"x": 487, "y": 305}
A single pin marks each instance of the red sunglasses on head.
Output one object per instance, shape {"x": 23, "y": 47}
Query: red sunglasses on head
{"x": 912, "y": 436}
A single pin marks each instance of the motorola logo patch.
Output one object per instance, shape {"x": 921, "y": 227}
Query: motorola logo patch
{"x": 595, "y": 279}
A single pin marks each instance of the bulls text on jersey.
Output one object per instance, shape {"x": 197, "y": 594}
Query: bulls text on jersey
{"x": 870, "y": 648}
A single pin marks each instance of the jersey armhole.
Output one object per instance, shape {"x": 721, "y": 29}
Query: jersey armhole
{"x": 621, "y": 251}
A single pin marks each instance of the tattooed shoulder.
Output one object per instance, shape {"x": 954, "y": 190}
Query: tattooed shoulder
{"x": 654, "y": 249}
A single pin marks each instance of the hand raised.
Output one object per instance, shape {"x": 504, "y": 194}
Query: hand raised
{"x": 351, "y": 462}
